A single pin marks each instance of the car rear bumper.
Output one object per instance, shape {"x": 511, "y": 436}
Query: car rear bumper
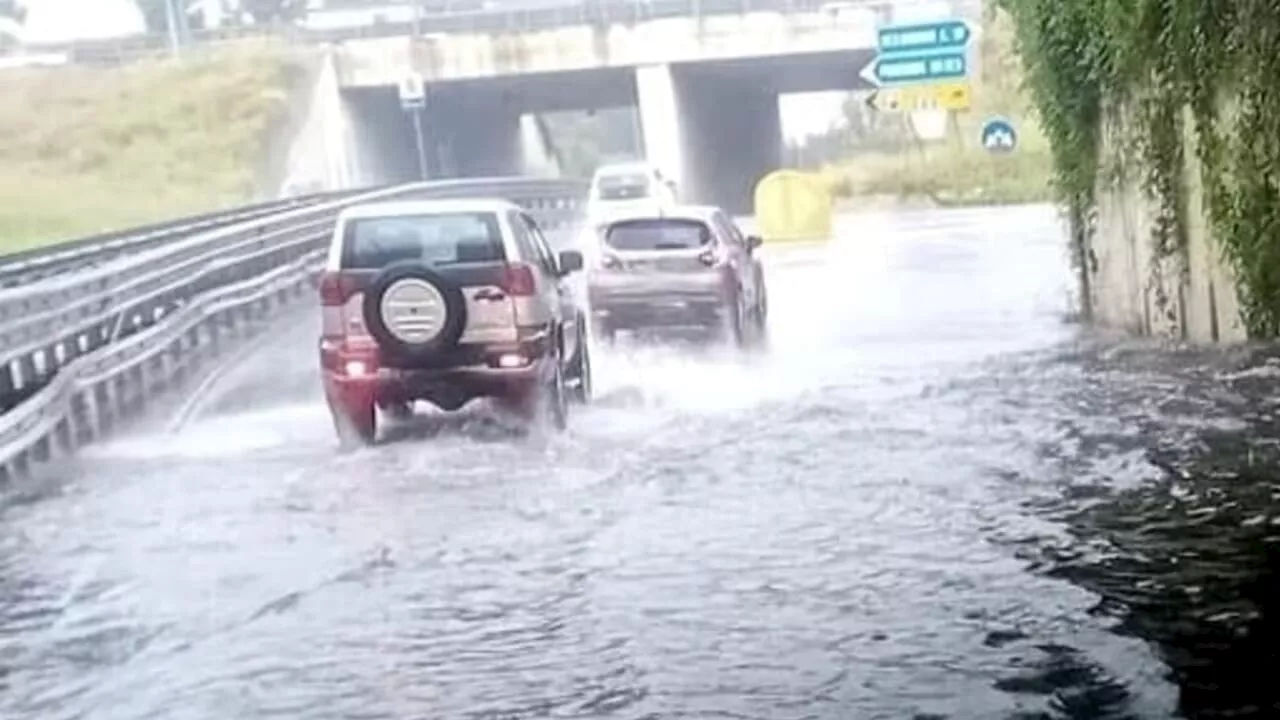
{"x": 647, "y": 306}
{"x": 353, "y": 380}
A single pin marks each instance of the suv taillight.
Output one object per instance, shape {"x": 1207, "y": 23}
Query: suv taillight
{"x": 518, "y": 280}
{"x": 336, "y": 289}
{"x": 340, "y": 305}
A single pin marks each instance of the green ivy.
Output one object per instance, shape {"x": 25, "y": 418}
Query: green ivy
{"x": 1084, "y": 59}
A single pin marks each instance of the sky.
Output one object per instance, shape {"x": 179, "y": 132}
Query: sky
{"x": 53, "y": 21}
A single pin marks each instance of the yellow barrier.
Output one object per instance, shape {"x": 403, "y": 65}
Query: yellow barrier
{"x": 792, "y": 205}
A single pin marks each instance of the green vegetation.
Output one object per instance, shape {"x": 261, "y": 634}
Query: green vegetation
{"x": 882, "y": 155}
{"x": 1168, "y": 71}
{"x": 91, "y": 150}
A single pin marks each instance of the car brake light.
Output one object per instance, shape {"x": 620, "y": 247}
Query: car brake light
{"x": 518, "y": 280}
{"x": 336, "y": 288}
{"x": 709, "y": 258}
{"x": 610, "y": 262}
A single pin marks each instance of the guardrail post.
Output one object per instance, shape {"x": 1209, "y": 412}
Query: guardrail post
{"x": 41, "y": 450}
{"x": 63, "y": 437}
{"x": 110, "y": 405}
{"x": 92, "y": 427}
{"x": 136, "y": 393}
{"x": 164, "y": 369}
{"x": 7, "y": 389}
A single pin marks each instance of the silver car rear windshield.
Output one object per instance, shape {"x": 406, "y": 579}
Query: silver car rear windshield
{"x": 622, "y": 187}
{"x": 436, "y": 239}
{"x": 657, "y": 234}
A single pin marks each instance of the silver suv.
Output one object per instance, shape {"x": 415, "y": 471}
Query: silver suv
{"x": 447, "y": 301}
{"x": 675, "y": 268}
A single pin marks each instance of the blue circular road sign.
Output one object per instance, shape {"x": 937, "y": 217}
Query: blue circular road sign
{"x": 998, "y": 135}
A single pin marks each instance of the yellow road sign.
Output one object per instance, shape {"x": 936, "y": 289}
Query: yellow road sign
{"x": 939, "y": 96}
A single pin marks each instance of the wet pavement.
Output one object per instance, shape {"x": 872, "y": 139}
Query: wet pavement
{"x": 932, "y": 498}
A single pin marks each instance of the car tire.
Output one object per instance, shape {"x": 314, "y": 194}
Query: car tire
{"x": 760, "y": 317}
{"x": 580, "y": 370}
{"x": 556, "y": 400}
{"x": 356, "y": 427}
{"x": 731, "y": 329}
{"x": 399, "y": 411}
{"x": 452, "y": 324}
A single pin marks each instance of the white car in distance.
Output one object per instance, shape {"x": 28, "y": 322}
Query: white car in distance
{"x": 629, "y": 187}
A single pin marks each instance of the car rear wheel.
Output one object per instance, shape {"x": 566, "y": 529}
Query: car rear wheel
{"x": 399, "y": 411}
{"x": 555, "y": 400}
{"x": 731, "y": 329}
{"x": 546, "y": 402}
{"x": 580, "y": 370}
{"x": 356, "y": 426}
{"x": 760, "y": 318}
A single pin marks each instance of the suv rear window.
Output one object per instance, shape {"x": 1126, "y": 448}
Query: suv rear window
{"x": 657, "y": 234}
{"x": 437, "y": 239}
{"x": 622, "y": 187}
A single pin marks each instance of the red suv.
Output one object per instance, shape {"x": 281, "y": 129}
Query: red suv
{"x": 448, "y": 301}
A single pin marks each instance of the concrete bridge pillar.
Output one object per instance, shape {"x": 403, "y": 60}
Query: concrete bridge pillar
{"x": 735, "y": 134}
{"x": 715, "y": 132}
{"x": 658, "y": 99}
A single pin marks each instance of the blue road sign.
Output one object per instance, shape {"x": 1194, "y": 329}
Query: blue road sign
{"x": 945, "y": 35}
{"x": 909, "y": 69}
{"x": 998, "y": 136}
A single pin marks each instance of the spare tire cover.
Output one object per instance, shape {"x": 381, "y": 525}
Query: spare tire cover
{"x": 413, "y": 312}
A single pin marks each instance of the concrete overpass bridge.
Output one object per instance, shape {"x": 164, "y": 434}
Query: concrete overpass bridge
{"x": 706, "y": 88}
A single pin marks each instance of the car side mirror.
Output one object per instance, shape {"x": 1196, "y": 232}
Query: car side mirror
{"x": 570, "y": 261}
{"x": 754, "y": 242}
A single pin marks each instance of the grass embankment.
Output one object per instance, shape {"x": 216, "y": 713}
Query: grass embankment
{"x": 957, "y": 170}
{"x": 87, "y": 150}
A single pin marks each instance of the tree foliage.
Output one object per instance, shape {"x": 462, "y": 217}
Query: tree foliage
{"x": 1216, "y": 58}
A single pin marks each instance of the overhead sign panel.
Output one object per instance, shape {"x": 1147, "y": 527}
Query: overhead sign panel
{"x": 921, "y": 54}
{"x": 945, "y": 35}
{"x": 914, "y": 69}
{"x": 942, "y": 96}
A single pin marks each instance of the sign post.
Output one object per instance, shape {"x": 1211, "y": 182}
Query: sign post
{"x": 922, "y": 66}
{"x": 413, "y": 99}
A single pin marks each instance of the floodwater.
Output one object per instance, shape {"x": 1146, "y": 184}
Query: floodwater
{"x": 932, "y": 497}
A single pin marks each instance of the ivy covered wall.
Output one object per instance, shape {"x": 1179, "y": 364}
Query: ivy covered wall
{"x": 1164, "y": 120}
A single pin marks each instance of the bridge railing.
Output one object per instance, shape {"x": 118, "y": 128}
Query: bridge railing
{"x": 78, "y": 350}
{"x": 510, "y": 18}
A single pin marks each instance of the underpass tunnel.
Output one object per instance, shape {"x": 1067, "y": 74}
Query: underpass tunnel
{"x": 379, "y": 138}
{"x": 717, "y": 125}
{"x": 474, "y": 128}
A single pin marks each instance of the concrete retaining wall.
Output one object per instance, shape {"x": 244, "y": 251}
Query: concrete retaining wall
{"x": 1191, "y": 296}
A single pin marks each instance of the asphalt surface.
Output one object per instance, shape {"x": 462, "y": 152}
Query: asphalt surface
{"x": 933, "y": 497}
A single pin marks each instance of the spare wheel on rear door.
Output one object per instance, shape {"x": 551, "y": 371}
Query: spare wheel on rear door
{"x": 413, "y": 312}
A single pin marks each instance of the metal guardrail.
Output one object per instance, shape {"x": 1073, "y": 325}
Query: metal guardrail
{"x": 83, "y": 349}
{"x": 28, "y": 266}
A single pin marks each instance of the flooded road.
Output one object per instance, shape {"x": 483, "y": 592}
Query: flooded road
{"x": 932, "y": 498}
